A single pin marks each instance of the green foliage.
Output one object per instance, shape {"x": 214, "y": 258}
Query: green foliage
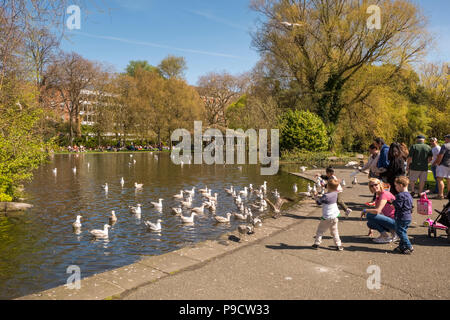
{"x": 302, "y": 130}
{"x": 320, "y": 159}
{"x": 133, "y": 66}
{"x": 21, "y": 149}
{"x": 236, "y": 114}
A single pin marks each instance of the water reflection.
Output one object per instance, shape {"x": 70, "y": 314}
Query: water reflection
{"x": 37, "y": 246}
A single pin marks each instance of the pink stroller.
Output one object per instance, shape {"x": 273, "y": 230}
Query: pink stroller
{"x": 442, "y": 222}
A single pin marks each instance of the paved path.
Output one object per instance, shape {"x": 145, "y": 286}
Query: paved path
{"x": 278, "y": 263}
{"x": 283, "y": 266}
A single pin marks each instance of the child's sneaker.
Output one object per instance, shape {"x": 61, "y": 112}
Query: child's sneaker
{"x": 383, "y": 239}
{"x": 315, "y": 246}
{"x": 370, "y": 204}
{"x": 347, "y": 212}
{"x": 340, "y": 248}
{"x": 408, "y": 251}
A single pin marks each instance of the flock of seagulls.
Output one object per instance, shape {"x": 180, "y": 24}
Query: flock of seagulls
{"x": 247, "y": 200}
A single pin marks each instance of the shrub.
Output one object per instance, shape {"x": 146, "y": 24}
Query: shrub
{"x": 302, "y": 130}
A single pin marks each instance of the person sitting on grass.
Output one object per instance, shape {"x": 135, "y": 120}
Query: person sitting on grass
{"x": 330, "y": 215}
{"x": 330, "y": 175}
{"x": 381, "y": 218}
{"x": 403, "y": 204}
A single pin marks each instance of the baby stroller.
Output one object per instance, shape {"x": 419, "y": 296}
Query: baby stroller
{"x": 442, "y": 222}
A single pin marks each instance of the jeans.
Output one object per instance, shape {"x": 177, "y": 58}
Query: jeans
{"x": 433, "y": 169}
{"x": 401, "y": 227}
{"x": 380, "y": 222}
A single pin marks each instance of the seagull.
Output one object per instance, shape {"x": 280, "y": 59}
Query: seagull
{"x": 203, "y": 190}
{"x": 314, "y": 189}
{"x": 105, "y": 186}
{"x": 343, "y": 183}
{"x": 351, "y": 164}
{"x": 177, "y": 211}
{"x": 55, "y": 171}
{"x": 290, "y": 25}
{"x": 295, "y": 188}
{"x": 89, "y": 165}
{"x": 158, "y": 205}
{"x": 303, "y": 169}
{"x": 180, "y": 195}
{"x": 122, "y": 181}
{"x": 187, "y": 203}
{"x": 221, "y": 219}
{"x": 244, "y": 192}
{"x": 355, "y": 181}
{"x": 74, "y": 170}
{"x": 229, "y": 191}
{"x": 77, "y": 224}
{"x": 257, "y": 223}
{"x": 190, "y": 192}
{"x": 306, "y": 194}
{"x": 136, "y": 210}
{"x": 112, "y": 218}
{"x": 101, "y": 233}
{"x": 199, "y": 209}
{"x": 188, "y": 219}
{"x": 309, "y": 188}
{"x": 246, "y": 230}
{"x": 239, "y": 216}
{"x": 277, "y": 207}
{"x": 153, "y": 226}
{"x": 138, "y": 186}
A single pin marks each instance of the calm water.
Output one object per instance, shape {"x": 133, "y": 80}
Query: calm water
{"x": 37, "y": 247}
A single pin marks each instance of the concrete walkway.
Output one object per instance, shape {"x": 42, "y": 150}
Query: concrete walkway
{"x": 278, "y": 263}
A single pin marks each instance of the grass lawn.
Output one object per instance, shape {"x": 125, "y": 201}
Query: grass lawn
{"x": 430, "y": 185}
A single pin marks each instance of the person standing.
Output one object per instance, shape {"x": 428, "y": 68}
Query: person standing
{"x": 396, "y": 166}
{"x": 383, "y": 161}
{"x": 443, "y": 169}
{"x": 371, "y": 164}
{"x": 435, "y": 149}
{"x": 403, "y": 204}
{"x": 420, "y": 156}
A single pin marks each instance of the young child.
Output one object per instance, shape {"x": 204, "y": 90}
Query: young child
{"x": 403, "y": 204}
{"x": 330, "y": 214}
{"x": 330, "y": 175}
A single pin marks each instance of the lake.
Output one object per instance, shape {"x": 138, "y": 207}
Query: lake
{"x": 37, "y": 246}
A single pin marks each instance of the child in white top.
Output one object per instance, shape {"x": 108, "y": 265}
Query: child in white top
{"x": 330, "y": 215}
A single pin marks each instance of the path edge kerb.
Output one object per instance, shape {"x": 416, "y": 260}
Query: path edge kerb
{"x": 114, "y": 284}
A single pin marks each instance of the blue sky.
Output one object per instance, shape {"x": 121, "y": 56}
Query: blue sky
{"x": 212, "y": 35}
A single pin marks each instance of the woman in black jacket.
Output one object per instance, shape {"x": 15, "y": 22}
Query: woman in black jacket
{"x": 396, "y": 165}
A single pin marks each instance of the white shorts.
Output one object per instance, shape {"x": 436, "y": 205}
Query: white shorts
{"x": 443, "y": 172}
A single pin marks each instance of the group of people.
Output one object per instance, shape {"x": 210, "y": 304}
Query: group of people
{"x": 393, "y": 173}
{"x": 390, "y": 162}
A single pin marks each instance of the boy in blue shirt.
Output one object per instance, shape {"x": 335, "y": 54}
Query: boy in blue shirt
{"x": 403, "y": 214}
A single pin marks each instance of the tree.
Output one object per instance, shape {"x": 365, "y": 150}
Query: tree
{"x": 133, "y": 66}
{"x": 173, "y": 67}
{"x": 70, "y": 76}
{"x": 183, "y": 106}
{"x": 218, "y": 91}
{"x": 302, "y": 130}
{"x": 331, "y": 44}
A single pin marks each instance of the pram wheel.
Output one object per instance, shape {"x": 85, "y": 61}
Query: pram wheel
{"x": 434, "y": 232}
{"x": 429, "y": 232}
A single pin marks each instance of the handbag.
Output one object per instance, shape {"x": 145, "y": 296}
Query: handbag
{"x": 424, "y": 205}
